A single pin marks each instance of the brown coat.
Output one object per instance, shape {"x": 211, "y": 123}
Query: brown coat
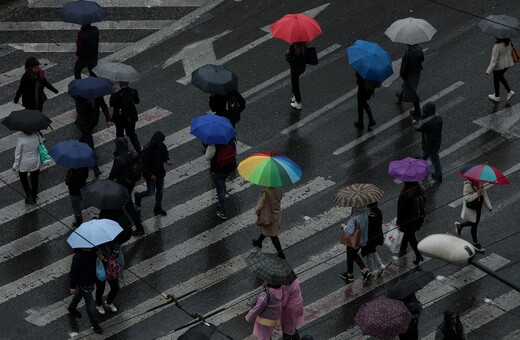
{"x": 268, "y": 209}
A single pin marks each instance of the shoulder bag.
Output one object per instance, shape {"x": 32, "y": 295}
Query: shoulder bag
{"x": 311, "y": 56}
{"x": 44, "y": 154}
{"x": 351, "y": 241}
{"x": 476, "y": 204}
{"x": 515, "y": 54}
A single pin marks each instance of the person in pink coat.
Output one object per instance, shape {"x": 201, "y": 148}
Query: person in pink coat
{"x": 292, "y": 310}
{"x": 266, "y": 311}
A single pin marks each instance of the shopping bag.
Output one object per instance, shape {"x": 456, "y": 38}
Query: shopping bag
{"x": 100, "y": 270}
{"x": 393, "y": 240}
{"x": 44, "y": 154}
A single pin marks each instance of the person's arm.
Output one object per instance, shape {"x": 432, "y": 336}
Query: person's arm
{"x": 349, "y": 228}
{"x": 17, "y": 155}
{"x": 136, "y": 96}
{"x": 487, "y": 202}
{"x": 259, "y": 307}
{"x": 79, "y": 45}
{"x": 469, "y": 193}
{"x": 23, "y": 84}
{"x": 104, "y": 108}
{"x": 494, "y": 59}
{"x": 210, "y": 152}
{"x": 49, "y": 85}
{"x": 260, "y": 203}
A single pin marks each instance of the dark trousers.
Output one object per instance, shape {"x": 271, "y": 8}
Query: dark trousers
{"x": 86, "y": 137}
{"x": 89, "y": 304}
{"x": 362, "y": 104}
{"x": 353, "y": 256}
{"x": 31, "y": 190}
{"x": 100, "y": 289}
{"x": 276, "y": 242}
{"x": 156, "y": 187}
{"x": 80, "y": 65}
{"x": 473, "y": 225}
{"x": 220, "y": 186}
{"x": 129, "y": 128}
{"x": 498, "y": 77}
{"x": 409, "y": 237}
{"x": 295, "y": 84}
{"x": 130, "y": 209}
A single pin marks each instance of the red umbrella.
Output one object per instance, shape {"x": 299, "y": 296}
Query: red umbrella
{"x": 383, "y": 318}
{"x": 483, "y": 173}
{"x": 295, "y": 28}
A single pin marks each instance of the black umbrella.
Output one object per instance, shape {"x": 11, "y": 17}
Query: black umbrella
{"x": 27, "y": 120}
{"x": 198, "y": 332}
{"x": 214, "y": 79}
{"x": 82, "y": 12}
{"x": 105, "y": 195}
{"x": 409, "y": 285}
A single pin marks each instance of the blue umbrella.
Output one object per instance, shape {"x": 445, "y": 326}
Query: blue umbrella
{"x": 94, "y": 233}
{"x": 212, "y": 129}
{"x": 82, "y": 12}
{"x": 370, "y": 60}
{"x": 90, "y": 87}
{"x": 74, "y": 154}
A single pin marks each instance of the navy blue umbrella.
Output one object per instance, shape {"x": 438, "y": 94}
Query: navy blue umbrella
{"x": 370, "y": 60}
{"x": 212, "y": 129}
{"x": 90, "y": 87}
{"x": 74, "y": 154}
{"x": 82, "y": 12}
{"x": 214, "y": 79}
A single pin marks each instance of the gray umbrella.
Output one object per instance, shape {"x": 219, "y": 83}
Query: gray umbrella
{"x": 500, "y": 26}
{"x": 105, "y": 195}
{"x": 116, "y": 72}
{"x": 410, "y": 31}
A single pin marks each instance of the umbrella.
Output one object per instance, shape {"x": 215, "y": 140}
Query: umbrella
{"x": 93, "y": 233}
{"x": 116, "y": 72}
{"x": 212, "y": 129}
{"x": 270, "y": 268}
{"x": 383, "y": 318}
{"x": 90, "y": 87}
{"x": 409, "y": 285}
{"x": 214, "y": 79}
{"x": 105, "y": 194}
{"x": 295, "y": 28}
{"x": 74, "y": 154}
{"x": 26, "y": 120}
{"x": 270, "y": 170}
{"x": 199, "y": 332}
{"x": 410, "y": 31}
{"x": 500, "y": 26}
{"x": 483, "y": 173}
{"x": 82, "y": 12}
{"x": 358, "y": 195}
{"x": 409, "y": 169}
{"x": 370, "y": 60}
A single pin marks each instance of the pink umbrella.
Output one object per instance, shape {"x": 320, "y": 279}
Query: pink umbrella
{"x": 409, "y": 169}
{"x": 383, "y": 318}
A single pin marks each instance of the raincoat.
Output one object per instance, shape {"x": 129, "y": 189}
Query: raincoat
{"x": 292, "y": 308}
{"x": 269, "y": 207}
{"x": 266, "y": 313}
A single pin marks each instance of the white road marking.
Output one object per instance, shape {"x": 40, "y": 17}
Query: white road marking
{"x": 15, "y": 74}
{"x": 13, "y": 26}
{"x": 121, "y": 3}
{"x": 64, "y": 47}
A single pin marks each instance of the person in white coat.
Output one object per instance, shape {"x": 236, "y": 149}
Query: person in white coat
{"x": 473, "y": 190}
{"x": 27, "y": 161}
{"x": 501, "y": 60}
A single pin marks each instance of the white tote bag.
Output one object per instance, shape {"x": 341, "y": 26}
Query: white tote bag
{"x": 393, "y": 240}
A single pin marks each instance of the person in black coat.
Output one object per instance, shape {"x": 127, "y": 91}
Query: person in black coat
{"x": 32, "y": 85}
{"x": 75, "y": 180}
{"x": 155, "y": 155}
{"x": 430, "y": 125}
{"x": 410, "y": 72}
{"x": 87, "y": 45}
{"x": 451, "y": 328}
{"x": 414, "y": 307}
{"x": 125, "y": 113}
{"x": 364, "y": 93}
{"x": 219, "y": 104}
{"x": 296, "y": 56}
{"x": 375, "y": 237}
{"x": 407, "y": 221}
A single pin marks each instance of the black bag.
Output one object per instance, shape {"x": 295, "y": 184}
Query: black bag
{"x": 476, "y": 204}
{"x": 312, "y": 56}
{"x": 135, "y": 167}
{"x": 418, "y": 212}
{"x": 235, "y": 105}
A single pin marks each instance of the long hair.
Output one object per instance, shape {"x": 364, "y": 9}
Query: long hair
{"x": 506, "y": 41}
{"x": 414, "y": 48}
{"x": 412, "y": 189}
{"x": 300, "y": 48}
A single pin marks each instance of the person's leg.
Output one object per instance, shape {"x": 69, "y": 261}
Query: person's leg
{"x": 377, "y": 259}
{"x": 220, "y": 186}
{"x": 75, "y": 201}
{"x": 295, "y": 85}
{"x": 359, "y": 261}
{"x": 466, "y": 224}
{"x": 130, "y": 132}
{"x": 413, "y": 244}
{"x": 100, "y": 290}
{"x": 90, "y": 68}
{"x": 404, "y": 245}
{"x": 369, "y": 261}
{"x": 91, "y": 308}
{"x": 350, "y": 260}
{"x": 120, "y": 130}
{"x": 78, "y": 67}
{"x": 360, "y": 103}
{"x": 474, "y": 227}
{"x": 114, "y": 288}
{"x": 150, "y": 190}
{"x": 25, "y": 184}
{"x": 134, "y": 215}
{"x": 258, "y": 242}
{"x": 496, "y": 82}
{"x": 75, "y": 300}
{"x": 159, "y": 186}
{"x": 277, "y": 245}
{"x": 436, "y": 162}
{"x": 503, "y": 80}
{"x": 366, "y": 107}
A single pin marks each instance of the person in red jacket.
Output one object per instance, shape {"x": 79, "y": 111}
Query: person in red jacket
{"x": 87, "y": 46}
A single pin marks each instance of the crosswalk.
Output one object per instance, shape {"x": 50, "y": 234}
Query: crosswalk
{"x": 215, "y": 280}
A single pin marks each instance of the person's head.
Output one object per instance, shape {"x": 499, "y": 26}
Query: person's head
{"x": 32, "y": 64}
{"x": 269, "y": 285}
{"x": 414, "y": 48}
{"x": 123, "y": 84}
{"x": 428, "y": 109}
{"x": 300, "y": 48}
{"x": 412, "y": 189}
{"x": 506, "y": 41}
{"x": 157, "y": 138}
{"x": 451, "y": 317}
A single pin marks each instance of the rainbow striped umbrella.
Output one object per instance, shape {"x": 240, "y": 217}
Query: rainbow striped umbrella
{"x": 483, "y": 173}
{"x": 269, "y": 170}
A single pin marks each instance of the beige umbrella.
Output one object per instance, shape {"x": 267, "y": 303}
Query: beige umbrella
{"x": 358, "y": 195}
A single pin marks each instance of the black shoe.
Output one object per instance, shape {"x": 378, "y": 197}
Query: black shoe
{"x": 257, "y": 243}
{"x": 97, "y": 329}
{"x": 281, "y": 255}
{"x": 366, "y": 275}
{"x": 159, "y": 211}
{"x": 414, "y": 114}
{"x": 359, "y": 125}
{"x": 418, "y": 260}
{"x": 346, "y": 277}
{"x": 138, "y": 232}
{"x": 478, "y": 247}
{"x": 74, "y": 312}
{"x": 137, "y": 200}
{"x": 97, "y": 173}
{"x": 371, "y": 123}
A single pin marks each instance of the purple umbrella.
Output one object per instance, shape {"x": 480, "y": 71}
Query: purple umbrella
{"x": 409, "y": 169}
{"x": 383, "y": 318}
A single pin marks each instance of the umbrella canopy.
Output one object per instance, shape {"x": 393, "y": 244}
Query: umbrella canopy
{"x": 214, "y": 79}
{"x": 212, "y": 129}
{"x": 410, "y": 31}
{"x": 93, "y": 233}
{"x": 483, "y": 173}
{"x": 90, "y": 87}
{"x": 370, "y": 60}
{"x": 358, "y": 195}
{"x": 270, "y": 170}
{"x": 383, "y": 318}
{"x": 82, "y": 12}
{"x": 105, "y": 194}
{"x": 500, "y": 26}
{"x": 116, "y": 72}
{"x": 199, "y": 332}
{"x": 270, "y": 268}
{"x": 74, "y": 154}
{"x": 409, "y": 285}
{"x": 26, "y": 120}
{"x": 409, "y": 169}
{"x": 295, "y": 28}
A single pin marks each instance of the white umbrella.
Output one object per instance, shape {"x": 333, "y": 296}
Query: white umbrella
{"x": 410, "y": 31}
{"x": 116, "y": 72}
{"x": 501, "y": 26}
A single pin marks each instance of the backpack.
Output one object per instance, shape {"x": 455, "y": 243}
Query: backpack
{"x": 235, "y": 105}
{"x": 226, "y": 155}
{"x": 135, "y": 167}
{"x": 112, "y": 268}
{"x": 418, "y": 212}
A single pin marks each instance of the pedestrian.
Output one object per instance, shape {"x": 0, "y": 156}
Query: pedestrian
{"x": 125, "y": 113}
{"x": 410, "y": 217}
{"x": 296, "y": 56}
{"x": 375, "y": 238}
{"x": 430, "y": 126}
{"x": 292, "y": 310}
{"x": 155, "y": 155}
{"x": 27, "y": 161}
{"x": 410, "y": 72}
{"x": 358, "y": 220}
{"x": 75, "y": 180}
{"x": 107, "y": 253}
{"x": 87, "y": 45}
{"x": 451, "y": 328}
{"x": 365, "y": 91}
{"x": 501, "y": 60}
{"x": 119, "y": 216}
{"x": 31, "y": 87}
{"x": 222, "y": 158}
{"x": 82, "y": 278}
{"x": 414, "y": 307}
{"x": 266, "y": 311}
{"x": 229, "y": 106}
{"x": 473, "y": 191}
{"x": 268, "y": 211}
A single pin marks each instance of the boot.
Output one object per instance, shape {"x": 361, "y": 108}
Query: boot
{"x": 159, "y": 211}
{"x": 79, "y": 220}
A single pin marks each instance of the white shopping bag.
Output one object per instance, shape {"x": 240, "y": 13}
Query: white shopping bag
{"x": 393, "y": 240}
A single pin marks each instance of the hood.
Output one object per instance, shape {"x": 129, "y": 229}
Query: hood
{"x": 157, "y": 139}
{"x": 276, "y": 292}
{"x": 121, "y": 146}
{"x": 428, "y": 109}
{"x": 448, "y": 314}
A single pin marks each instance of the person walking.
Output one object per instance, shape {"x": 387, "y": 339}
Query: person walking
{"x": 296, "y": 56}
{"x": 365, "y": 91}
{"x": 268, "y": 211}
{"x": 229, "y": 106}
{"x": 107, "y": 253}
{"x": 32, "y": 85}
{"x": 430, "y": 126}
{"x": 473, "y": 190}
{"x": 414, "y": 307}
{"x": 75, "y": 180}
{"x": 358, "y": 219}
{"x": 125, "y": 113}
{"x": 266, "y": 311}
{"x": 410, "y": 72}
{"x": 119, "y": 216}
{"x": 501, "y": 60}
{"x": 87, "y": 46}
{"x": 155, "y": 155}
{"x": 292, "y": 310}
{"x": 410, "y": 217}
{"x": 27, "y": 161}
{"x": 375, "y": 238}
{"x": 451, "y": 328}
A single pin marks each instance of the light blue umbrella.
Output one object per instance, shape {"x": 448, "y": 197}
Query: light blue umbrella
{"x": 212, "y": 129}
{"x": 74, "y": 154}
{"x": 90, "y": 87}
{"x": 370, "y": 60}
{"x": 94, "y": 233}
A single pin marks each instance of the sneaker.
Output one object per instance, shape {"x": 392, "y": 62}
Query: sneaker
{"x": 366, "y": 275}
{"x": 293, "y": 99}
{"x": 346, "y": 277}
{"x": 494, "y": 98}
{"x": 458, "y": 229}
{"x": 100, "y": 309}
{"x": 138, "y": 232}
{"x": 137, "y": 200}
{"x": 478, "y": 247}
{"x": 74, "y": 312}
{"x": 382, "y": 266}
{"x": 510, "y": 94}
{"x": 111, "y": 307}
{"x": 97, "y": 329}
{"x": 222, "y": 215}
{"x": 296, "y": 105}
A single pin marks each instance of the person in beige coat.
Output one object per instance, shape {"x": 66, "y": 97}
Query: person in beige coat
{"x": 473, "y": 190}
{"x": 268, "y": 211}
{"x": 501, "y": 60}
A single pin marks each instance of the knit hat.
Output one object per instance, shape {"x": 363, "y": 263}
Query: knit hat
{"x": 428, "y": 109}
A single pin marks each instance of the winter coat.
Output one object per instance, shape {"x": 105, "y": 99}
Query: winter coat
{"x": 211, "y": 155}
{"x": 155, "y": 154}
{"x": 431, "y": 127}
{"x": 470, "y": 194}
{"x": 405, "y": 220}
{"x": 119, "y": 171}
{"x": 31, "y": 90}
{"x": 87, "y": 44}
{"x": 375, "y": 231}
{"x": 361, "y": 216}
{"x": 83, "y": 269}
{"x": 266, "y": 313}
{"x": 411, "y": 62}
{"x": 292, "y": 308}
{"x": 123, "y": 102}
{"x": 27, "y": 154}
{"x": 298, "y": 63}
{"x": 88, "y": 114}
{"x": 501, "y": 57}
{"x": 218, "y": 104}
{"x": 448, "y": 331}
{"x": 75, "y": 180}
{"x": 269, "y": 206}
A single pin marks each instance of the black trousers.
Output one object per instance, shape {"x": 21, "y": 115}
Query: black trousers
{"x": 409, "y": 237}
{"x": 362, "y": 104}
{"x": 295, "y": 84}
{"x": 30, "y": 190}
{"x": 353, "y": 256}
{"x": 129, "y": 128}
{"x": 473, "y": 225}
{"x": 100, "y": 289}
{"x": 498, "y": 77}
{"x": 86, "y": 137}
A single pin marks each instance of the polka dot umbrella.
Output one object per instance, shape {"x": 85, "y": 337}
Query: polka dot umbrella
{"x": 383, "y": 318}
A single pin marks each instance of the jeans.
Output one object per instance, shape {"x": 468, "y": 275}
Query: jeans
{"x": 352, "y": 255}
{"x": 31, "y": 190}
{"x": 80, "y": 65}
{"x": 295, "y": 85}
{"x": 498, "y": 77}
{"x": 436, "y": 162}
{"x": 100, "y": 289}
{"x": 156, "y": 187}
{"x": 129, "y": 128}
{"x": 75, "y": 201}
{"x": 220, "y": 186}
{"x": 473, "y": 226}
{"x": 89, "y": 304}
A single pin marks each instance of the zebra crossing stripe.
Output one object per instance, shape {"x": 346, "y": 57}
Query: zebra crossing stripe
{"x": 121, "y": 3}
{"x": 104, "y": 47}
{"x": 15, "y": 74}
{"x": 10, "y": 26}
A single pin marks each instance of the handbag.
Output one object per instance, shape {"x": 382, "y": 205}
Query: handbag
{"x": 476, "y": 204}
{"x": 351, "y": 241}
{"x": 515, "y": 54}
{"x": 393, "y": 240}
{"x": 44, "y": 154}
{"x": 311, "y": 56}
